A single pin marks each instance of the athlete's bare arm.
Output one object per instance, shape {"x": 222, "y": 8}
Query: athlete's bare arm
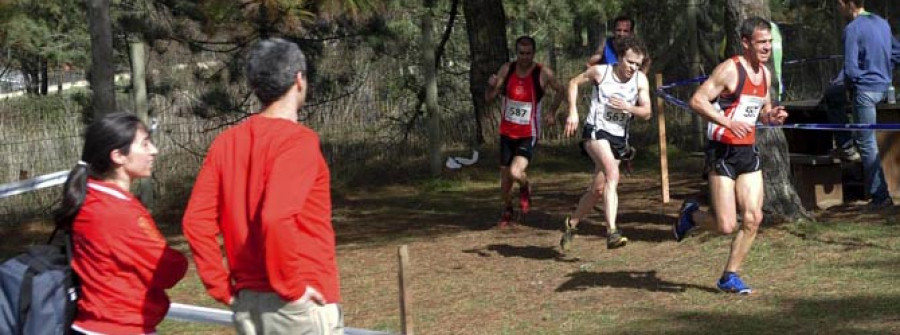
{"x": 548, "y": 79}
{"x": 592, "y": 74}
{"x": 595, "y": 58}
{"x": 495, "y": 83}
{"x": 723, "y": 78}
{"x": 641, "y": 108}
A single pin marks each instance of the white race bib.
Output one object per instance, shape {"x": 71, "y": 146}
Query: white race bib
{"x": 616, "y": 116}
{"x": 748, "y": 109}
{"x": 518, "y": 112}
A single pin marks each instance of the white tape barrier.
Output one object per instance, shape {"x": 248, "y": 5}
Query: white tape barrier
{"x": 177, "y": 311}
{"x": 36, "y": 183}
{"x": 222, "y": 317}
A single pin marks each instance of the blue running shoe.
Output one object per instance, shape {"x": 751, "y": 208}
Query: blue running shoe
{"x": 685, "y": 223}
{"x": 731, "y": 283}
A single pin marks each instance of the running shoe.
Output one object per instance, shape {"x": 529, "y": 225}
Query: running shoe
{"x": 568, "y": 236}
{"x": 506, "y": 217}
{"x": 876, "y": 205}
{"x": 616, "y": 240}
{"x": 731, "y": 283}
{"x": 525, "y": 198}
{"x": 685, "y": 223}
{"x": 846, "y": 155}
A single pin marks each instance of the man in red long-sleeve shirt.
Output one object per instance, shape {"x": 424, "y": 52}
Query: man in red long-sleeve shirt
{"x": 264, "y": 186}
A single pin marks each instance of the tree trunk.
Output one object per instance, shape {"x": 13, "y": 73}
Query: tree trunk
{"x": 486, "y": 28}
{"x": 579, "y": 46}
{"x": 431, "y": 104}
{"x": 103, "y": 98}
{"x": 695, "y": 67}
{"x": 44, "y": 78}
{"x": 735, "y": 13}
{"x": 781, "y": 199}
{"x": 596, "y": 33}
{"x": 32, "y": 79}
{"x": 139, "y": 88}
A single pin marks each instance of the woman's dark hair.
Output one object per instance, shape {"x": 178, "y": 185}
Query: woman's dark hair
{"x": 111, "y": 132}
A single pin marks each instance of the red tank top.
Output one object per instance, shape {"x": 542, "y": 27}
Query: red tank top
{"x": 744, "y": 104}
{"x": 522, "y": 105}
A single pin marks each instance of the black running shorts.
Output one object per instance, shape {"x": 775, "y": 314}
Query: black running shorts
{"x": 731, "y": 160}
{"x": 618, "y": 144}
{"x": 511, "y": 147}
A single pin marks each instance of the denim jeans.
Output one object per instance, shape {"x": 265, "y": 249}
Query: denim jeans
{"x": 864, "y": 112}
{"x": 836, "y": 101}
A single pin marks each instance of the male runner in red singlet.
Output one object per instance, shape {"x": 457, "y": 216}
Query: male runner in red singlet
{"x": 739, "y": 87}
{"x": 520, "y": 125}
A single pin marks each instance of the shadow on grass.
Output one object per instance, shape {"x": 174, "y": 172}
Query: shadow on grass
{"x": 633, "y": 233}
{"x": 530, "y": 252}
{"x": 847, "y": 315}
{"x": 646, "y": 280}
{"x": 811, "y": 233}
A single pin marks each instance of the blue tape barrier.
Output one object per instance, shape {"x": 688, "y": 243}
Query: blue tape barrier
{"x": 813, "y": 59}
{"x": 678, "y": 102}
{"x": 682, "y": 82}
{"x": 835, "y": 127}
{"x": 672, "y": 99}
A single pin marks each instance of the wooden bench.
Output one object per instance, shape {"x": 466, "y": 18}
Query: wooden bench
{"x": 818, "y": 180}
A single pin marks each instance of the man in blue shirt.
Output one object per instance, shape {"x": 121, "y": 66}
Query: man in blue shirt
{"x": 867, "y": 75}
{"x": 623, "y": 26}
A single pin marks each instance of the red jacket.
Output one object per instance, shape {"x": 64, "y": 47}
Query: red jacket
{"x": 265, "y": 187}
{"x": 123, "y": 263}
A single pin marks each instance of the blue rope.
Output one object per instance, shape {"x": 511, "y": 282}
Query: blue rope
{"x": 682, "y": 82}
{"x": 804, "y": 60}
{"x": 835, "y": 127}
{"x": 667, "y": 97}
{"x": 677, "y": 102}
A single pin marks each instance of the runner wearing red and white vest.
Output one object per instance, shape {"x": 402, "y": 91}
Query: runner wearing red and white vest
{"x": 733, "y": 99}
{"x": 525, "y": 82}
{"x": 742, "y": 105}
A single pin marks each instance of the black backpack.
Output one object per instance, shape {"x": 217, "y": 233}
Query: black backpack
{"x": 39, "y": 290}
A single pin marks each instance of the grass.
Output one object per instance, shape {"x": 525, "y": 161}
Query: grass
{"x": 835, "y": 275}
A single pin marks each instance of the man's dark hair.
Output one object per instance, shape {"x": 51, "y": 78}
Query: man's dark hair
{"x": 272, "y": 67}
{"x": 526, "y": 40}
{"x": 752, "y": 24}
{"x": 636, "y": 45}
{"x": 858, "y": 3}
{"x": 624, "y": 18}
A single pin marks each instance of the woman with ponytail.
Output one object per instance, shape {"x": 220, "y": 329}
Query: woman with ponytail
{"x": 122, "y": 261}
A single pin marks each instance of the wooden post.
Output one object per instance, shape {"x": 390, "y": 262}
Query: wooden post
{"x": 663, "y": 158}
{"x": 406, "y": 324}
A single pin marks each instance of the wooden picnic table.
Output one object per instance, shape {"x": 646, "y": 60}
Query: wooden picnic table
{"x": 806, "y": 143}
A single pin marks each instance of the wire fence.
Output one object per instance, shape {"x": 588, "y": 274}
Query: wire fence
{"x": 372, "y": 130}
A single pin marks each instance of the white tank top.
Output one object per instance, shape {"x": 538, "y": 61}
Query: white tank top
{"x": 603, "y": 116}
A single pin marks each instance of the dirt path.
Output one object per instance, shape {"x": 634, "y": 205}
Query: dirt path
{"x": 465, "y": 268}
